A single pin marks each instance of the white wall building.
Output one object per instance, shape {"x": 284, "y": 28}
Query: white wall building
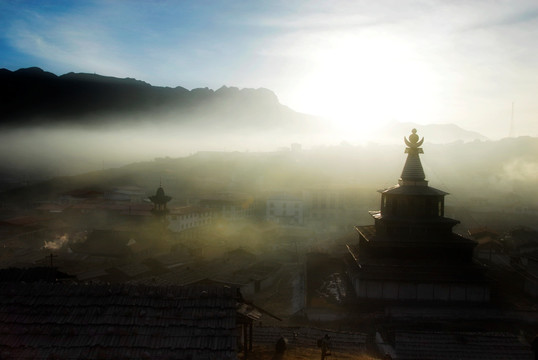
{"x": 285, "y": 209}
{"x": 230, "y": 206}
{"x": 188, "y": 217}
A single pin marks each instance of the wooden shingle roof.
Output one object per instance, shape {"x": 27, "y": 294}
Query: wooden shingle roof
{"x": 418, "y": 345}
{"x": 61, "y": 321}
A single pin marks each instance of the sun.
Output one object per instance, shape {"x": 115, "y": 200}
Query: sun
{"x": 362, "y": 83}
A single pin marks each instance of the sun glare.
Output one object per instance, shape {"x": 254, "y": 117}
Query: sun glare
{"x": 362, "y": 83}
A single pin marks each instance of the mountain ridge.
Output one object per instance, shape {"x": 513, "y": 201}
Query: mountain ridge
{"x": 434, "y": 133}
{"x": 32, "y": 96}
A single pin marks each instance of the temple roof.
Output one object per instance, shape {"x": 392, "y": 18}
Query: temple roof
{"x": 160, "y": 197}
{"x": 413, "y": 190}
{"x": 423, "y": 344}
{"x": 369, "y": 233}
{"x": 413, "y": 170}
{"x": 413, "y": 173}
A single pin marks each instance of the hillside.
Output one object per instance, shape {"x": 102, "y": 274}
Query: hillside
{"x": 435, "y": 133}
{"x": 32, "y": 96}
{"x": 504, "y": 170}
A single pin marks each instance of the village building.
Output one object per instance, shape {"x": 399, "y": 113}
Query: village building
{"x": 520, "y": 241}
{"x": 411, "y": 252}
{"x": 285, "y": 209}
{"x": 106, "y": 243}
{"x": 520, "y": 257}
{"x": 188, "y": 220}
{"x": 332, "y": 209}
{"x": 230, "y": 206}
{"x": 132, "y": 194}
{"x": 489, "y": 248}
{"x": 79, "y": 195}
{"x": 27, "y": 229}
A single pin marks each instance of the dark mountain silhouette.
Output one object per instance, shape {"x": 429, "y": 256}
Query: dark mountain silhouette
{"x": 32, "y": 96}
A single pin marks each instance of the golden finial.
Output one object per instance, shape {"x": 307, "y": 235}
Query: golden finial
{"x": 413, "y": 143}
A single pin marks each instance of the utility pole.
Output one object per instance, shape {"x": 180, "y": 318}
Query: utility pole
{"x": 51, "y": 257}
{"x": 512, "y": 124}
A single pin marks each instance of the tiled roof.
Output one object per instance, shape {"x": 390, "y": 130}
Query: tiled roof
{"x": 177, "y": 258}
{"x": 460, "y": 346}
{"x": 112, "y": 206}
{"x": 91, "y": 274}
{"x": 258, "y": 271}
{"x": 82, "y": 193}
{"x": 25, "y": 221}
{"x": 413, "y": 190}
{"x": 106, "y": 243}
{"x": 307, "y": 337}
{"x": 60, "y": 321}
{"x": 181, "y": 275}
{"x": 284, "y": 196}
{"x": 50, "y": 207}
{"x": 248, "y": 311}
{"x": 482, "y": 232}
{"x": 134, "y": 269}
{"x": 24, "y": 257}
{"x": 413, "y": 168}
{"x": 188, "y": 210}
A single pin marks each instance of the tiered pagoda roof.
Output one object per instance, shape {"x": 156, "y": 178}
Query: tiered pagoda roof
{"x": 411, "y": 251}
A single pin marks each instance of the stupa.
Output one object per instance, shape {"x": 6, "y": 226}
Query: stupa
{"x": 411, "y": 252}
{"x": 159, "y": 200}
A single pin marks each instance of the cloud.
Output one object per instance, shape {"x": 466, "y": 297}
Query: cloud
{"x": 505, "y": 15}
{"x": 521, "y": 170}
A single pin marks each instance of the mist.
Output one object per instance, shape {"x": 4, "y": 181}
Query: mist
{"x": 76, "y": 198}
{"x": 185, "y": 179}
{"x": 64, "y": 150}
{"x": 260, "y": 160}
{"x": 43, "y": 151}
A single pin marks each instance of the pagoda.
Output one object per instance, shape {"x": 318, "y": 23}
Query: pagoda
{"x": 159, "y": 200}
{"x": 411, "y": 252}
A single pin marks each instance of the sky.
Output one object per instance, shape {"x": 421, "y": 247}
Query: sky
{"x": 360, "y": 64}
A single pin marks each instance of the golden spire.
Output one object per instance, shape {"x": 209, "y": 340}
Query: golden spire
{"x": 413, "y": 145}
{"x": 413, "y": 173}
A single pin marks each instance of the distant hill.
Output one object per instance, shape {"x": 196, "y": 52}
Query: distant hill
{"x": 32, "y": 96}
{"x": 505, "y": 169}
{"x": 434, "y": 133}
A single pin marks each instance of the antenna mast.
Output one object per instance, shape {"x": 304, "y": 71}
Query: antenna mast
{"x": 512, "y": 124}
